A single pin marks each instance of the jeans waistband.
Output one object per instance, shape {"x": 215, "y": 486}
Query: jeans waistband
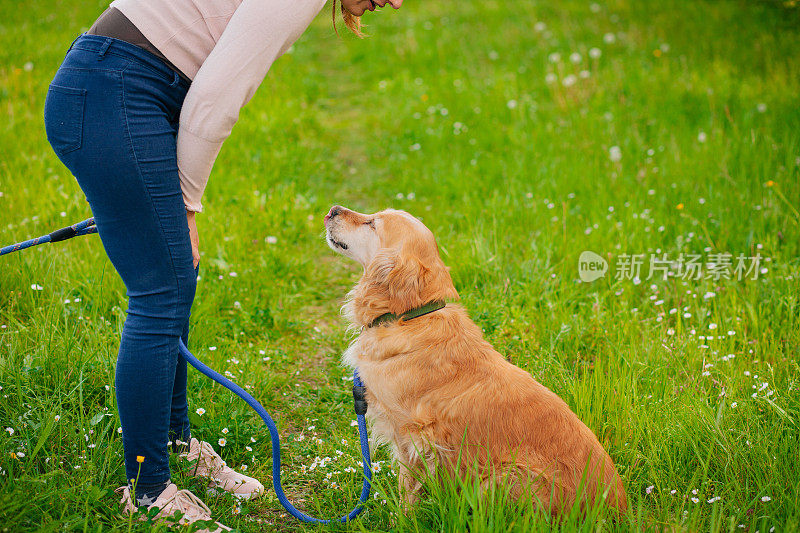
{"x": 105, "y": 45}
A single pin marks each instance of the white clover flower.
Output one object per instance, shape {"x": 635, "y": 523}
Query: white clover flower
{"x": 765, "y": 499}
{"x": 550, "y": 78}
{"x": 615, "y": 153}
{"x": 511, "y": 104}
{"x": 540, "y": 26}
{"x": 575, "y": 57}
{"x": 569, "y": 80}
{"x": 595, "y": 53}
{"x": 36, "y": 287}
{"x": 762, "y": 107}
{"x": 702, "y": 137}
{"x": 555, "y": 57}
{"x": 584, "y": 74}
{"x": 271, "y": 239}
{"x": 649, "y": 490}
{"x": 609, "y": 38}
{"x": 712, "y": 326}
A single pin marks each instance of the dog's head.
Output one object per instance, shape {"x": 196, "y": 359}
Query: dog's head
{"x": 402, "y": 267}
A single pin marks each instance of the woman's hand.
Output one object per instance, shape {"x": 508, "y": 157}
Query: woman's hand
{"x": 358, "y": 7}
{"x": 194, "y": 238}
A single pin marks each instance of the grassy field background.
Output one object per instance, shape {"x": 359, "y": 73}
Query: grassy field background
{"x": 520, "y": 147}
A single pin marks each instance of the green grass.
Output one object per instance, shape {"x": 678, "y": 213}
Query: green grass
{"x": 446, "y": 111}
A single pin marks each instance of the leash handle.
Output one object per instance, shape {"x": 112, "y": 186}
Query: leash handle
{"x": 276, "y": 445}
{"x": 81, "y": 228}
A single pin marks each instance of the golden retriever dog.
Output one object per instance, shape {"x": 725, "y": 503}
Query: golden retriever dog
{"x": 439, "y": 393}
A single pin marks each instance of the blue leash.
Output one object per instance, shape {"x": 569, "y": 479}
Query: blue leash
{"x": 81, "y": 228}
{"x": 361, "y": 409}
{"x": 86, "y": 227}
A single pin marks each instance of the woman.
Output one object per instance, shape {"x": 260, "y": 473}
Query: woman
{"x": 138, "y": 112}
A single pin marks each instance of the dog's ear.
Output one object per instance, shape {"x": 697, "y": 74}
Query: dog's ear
{"x": 407, "y": 278}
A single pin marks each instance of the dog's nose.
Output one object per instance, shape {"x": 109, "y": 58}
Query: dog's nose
{"x": 335, "y": 210}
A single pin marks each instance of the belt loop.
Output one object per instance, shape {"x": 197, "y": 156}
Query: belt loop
{"x": 104, "y": 48}
{"x": 175, "y": 80}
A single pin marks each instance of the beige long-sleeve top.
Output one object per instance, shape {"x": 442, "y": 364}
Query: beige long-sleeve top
{"x": 226, "y": 47}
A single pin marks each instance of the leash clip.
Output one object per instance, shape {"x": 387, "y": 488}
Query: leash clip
{"x": 360, "y": 399}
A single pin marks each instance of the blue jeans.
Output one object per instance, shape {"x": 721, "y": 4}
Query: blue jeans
{"x": 111, "y": 115}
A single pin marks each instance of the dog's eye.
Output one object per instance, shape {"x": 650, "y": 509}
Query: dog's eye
{"x": 370, "y": 223}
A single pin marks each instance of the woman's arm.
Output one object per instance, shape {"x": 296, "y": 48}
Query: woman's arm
{"x": 258, "y": 33}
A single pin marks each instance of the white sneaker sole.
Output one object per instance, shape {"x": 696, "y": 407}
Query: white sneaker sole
{"x": 214, "y": 491}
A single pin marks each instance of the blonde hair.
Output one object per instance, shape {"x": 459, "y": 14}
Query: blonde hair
{"x": 351, "y": 21}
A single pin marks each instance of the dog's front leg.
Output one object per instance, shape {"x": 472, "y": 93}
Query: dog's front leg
{"x": 409, "y": 486}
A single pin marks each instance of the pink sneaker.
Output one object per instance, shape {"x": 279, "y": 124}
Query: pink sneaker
{"x": 220, "y": 476}
{"x": 170, "y": 501}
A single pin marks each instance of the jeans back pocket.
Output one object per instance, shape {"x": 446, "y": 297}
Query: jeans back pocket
{"x": 63, "y": 118}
